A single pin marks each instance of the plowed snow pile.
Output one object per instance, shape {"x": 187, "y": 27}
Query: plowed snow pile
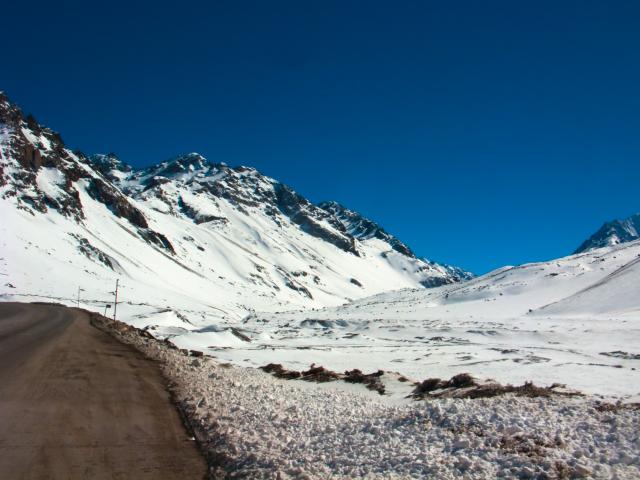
{"x": 257, "y": 426}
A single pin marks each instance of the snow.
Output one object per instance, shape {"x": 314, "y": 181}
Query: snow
{"x": 237, "y": 264}
{"x": 49, "y": 181}
{"x": 613, "y": 233}
{"x": 30, "y": 136}
{"x": 262, "y": 427}
{"x": 548, "y": 322}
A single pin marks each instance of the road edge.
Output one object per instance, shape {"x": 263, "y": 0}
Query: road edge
{"x": 131, "y": 336}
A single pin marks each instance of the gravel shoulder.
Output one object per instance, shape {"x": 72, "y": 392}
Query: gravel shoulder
{"x": 77, "y": 403}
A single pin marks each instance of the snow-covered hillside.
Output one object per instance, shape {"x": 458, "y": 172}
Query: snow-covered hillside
{"x": 613, "y": 233}
{"x": 185, "y": 235}
{"x": 574, "y": 321}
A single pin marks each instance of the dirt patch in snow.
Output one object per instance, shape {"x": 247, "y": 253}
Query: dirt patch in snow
{"x": 464, "y": 385}
{"x": 319, "y": 374}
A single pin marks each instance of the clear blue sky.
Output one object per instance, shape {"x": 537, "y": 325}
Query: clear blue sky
{"x": 480, "y": 133}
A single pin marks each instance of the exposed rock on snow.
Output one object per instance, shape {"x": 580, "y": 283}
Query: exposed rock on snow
{"x": 613, "y": 233}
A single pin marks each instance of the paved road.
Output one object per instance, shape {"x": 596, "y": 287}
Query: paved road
{"x": 75, "y": 403}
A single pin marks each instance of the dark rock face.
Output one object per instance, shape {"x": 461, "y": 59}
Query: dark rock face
{"x": 436, "y": 282}
{"x": 196, "y": 216}
{"x": 244, "y": 188}
{"x": 184, "y": 164}
{"x": 86, "y": 248}
{"x": 36, "y": 147}
{"x": 109, "y": 166}
{"x": 362, "y": 228}
{"x": 308, "y": 217}
{"x": 613, "y": 233}
{"x": 158, "y": 239}
{"x": 116, "y": 202}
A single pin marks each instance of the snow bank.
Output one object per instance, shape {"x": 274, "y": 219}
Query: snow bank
{"x": 256, "y": 426}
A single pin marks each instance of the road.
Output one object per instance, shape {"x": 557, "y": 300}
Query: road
{"x": 75, "y": 403}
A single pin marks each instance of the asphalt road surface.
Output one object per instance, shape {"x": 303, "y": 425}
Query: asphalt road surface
{"x": 75, "y": 403}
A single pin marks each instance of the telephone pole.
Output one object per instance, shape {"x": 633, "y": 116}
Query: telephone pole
{"x": 115, "y": 302}
{"x": 79, "y": 290}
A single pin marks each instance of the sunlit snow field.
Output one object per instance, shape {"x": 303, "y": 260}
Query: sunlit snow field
{"x": 573, "y": 321}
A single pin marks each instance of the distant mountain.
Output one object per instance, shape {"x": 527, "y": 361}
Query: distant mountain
{"x": 613, "y": 233}
{"x": 226, "y": 237}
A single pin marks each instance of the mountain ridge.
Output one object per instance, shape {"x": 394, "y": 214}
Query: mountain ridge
{"x": 252, "y": 240}
{"x": 613, "y": 233}
{"x": 188, "y": 166}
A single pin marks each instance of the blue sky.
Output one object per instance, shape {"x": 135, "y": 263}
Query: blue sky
{"x": 480, "y": 133}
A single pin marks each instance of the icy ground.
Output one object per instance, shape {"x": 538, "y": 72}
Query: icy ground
{"x": 256, "y": 426}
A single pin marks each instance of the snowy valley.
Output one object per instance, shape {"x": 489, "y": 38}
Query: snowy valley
{"x": 239, "y": 267}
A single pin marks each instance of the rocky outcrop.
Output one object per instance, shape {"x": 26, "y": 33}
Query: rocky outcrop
{"x": 310, "y": 218}
{"x": 110, "y": 166}
{"x": 362, "y": 228}
{"x": 244, "y": 188}
{"x": 29, "y": 148}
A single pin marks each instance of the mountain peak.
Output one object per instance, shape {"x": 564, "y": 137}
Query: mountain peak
{"x": 189, "y": 162}
{"x": 182, "y": 168}
{"x": 613, "y": 233}
{"x": 109, "y": 165}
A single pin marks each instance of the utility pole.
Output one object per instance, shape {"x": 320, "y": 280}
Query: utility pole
{"x": 79, "y": 290}
{"x": 115, "y": 302}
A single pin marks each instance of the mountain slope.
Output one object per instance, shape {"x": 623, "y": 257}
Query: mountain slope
{"x": 613, "y": 233}
{"x": 186, "y": 234}
{"x": 363, "y": 228}
{"x": 617, "y": 294}
{"x": 573, "y": 320}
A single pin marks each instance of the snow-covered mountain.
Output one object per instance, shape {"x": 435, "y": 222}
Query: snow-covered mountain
{"x": 574, "y": 320}
{"x": 186, "y": 232}
{"x": 613, "y": 233}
